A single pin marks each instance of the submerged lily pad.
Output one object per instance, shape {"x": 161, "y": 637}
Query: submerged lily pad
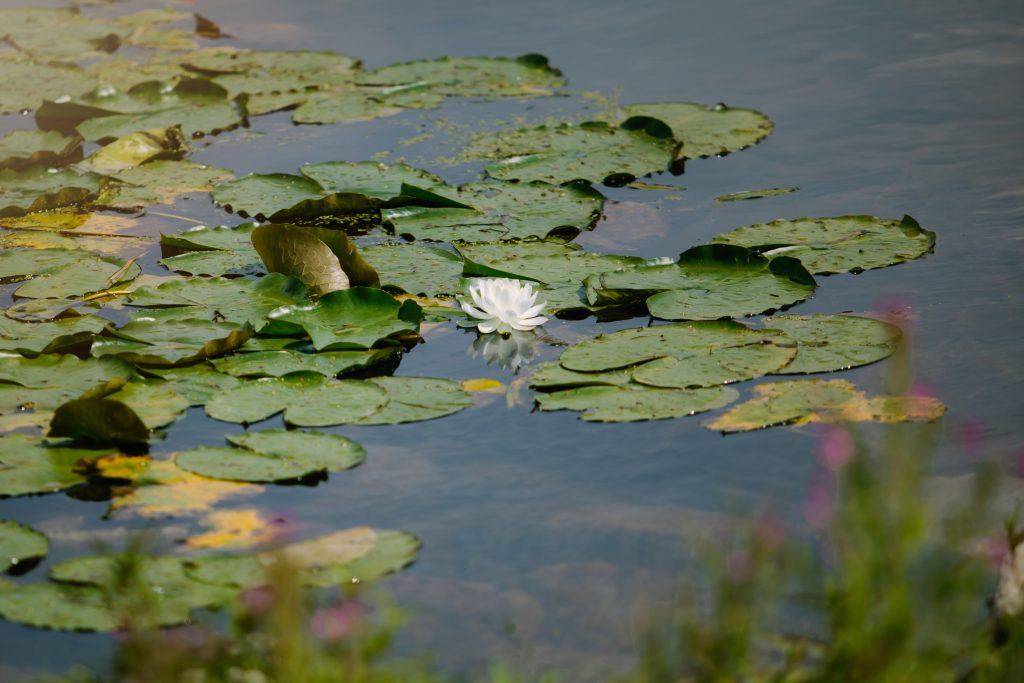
{"x": 635, "y": 403}
{"x": 799, "y": 402}
{"x": 20, "y": 546}
{"x": 707, "y": 131}
{"x": 708, "y": 282}
{"x": 415, "y": 269}
{"x": 501, "y": 211}
{"x": 29, "y": 466}
{"x": 356, "y": 318}
{"x": 591, "y": 151}
{"x": 273, "y": 455}
{"x": 307, "y": 399}
{"x": 526, "y": 76}
{"x": 835, "y": 342}
{"x": 413, "y": 399}
{"x": 22, "y": 149}
{"x": 837, "y": 245}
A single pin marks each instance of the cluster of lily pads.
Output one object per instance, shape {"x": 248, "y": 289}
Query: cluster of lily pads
{"x": 306, "y": 310}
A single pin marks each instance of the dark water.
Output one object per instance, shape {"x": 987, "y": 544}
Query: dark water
{"x": 547, "y": 539}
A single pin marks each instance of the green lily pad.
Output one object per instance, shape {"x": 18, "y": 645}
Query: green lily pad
{"x": 369, "y": 178}
{"x": 20, "y": 546}
{"x": 708, "y": 282}
{"x": 27, "y": 84}
{"x": 343, "y": 105}
{"x": 308, "y": 68}
{"x": 324, "y": 260}
{"x": 804, "y": 401}
{"x": 273, "y": 455}
{"x": 64, "y": 335}
{"x": 195, "y": 121}
{"x": 550, "y": 376}
{"x": 21, "y": 149}
{"x": 754, "y": 194}
{"x": 68, "y": 36}
{"x": 196, "y": 383}
{"x": 550, "y": 263}
{"x": 682, "y": 355}
{"x": 158, "y": 182}
{"x": 215, "y": 263}
{"x": 167, "y": 343}
{"x": 158, "y": 405}
{"x": 707, "y": 131}
{"x": 135, "y": 149}
{"x": 634, "y": 403}
{"x": 837, "y": 245}
{"x": 100, "y": 422}
{"x": 36, "y": 189}
{"x": 413, "y": 399}
{"x": 57, "y": 607}
{"x": 526, "y": 76}
{"x": 82, "y": 274}
{"x": 282, "y": 362}
{"x": 352, "y": 555}
{"x": 502, "y": 211}
{"x": 356, "y": 318}
{"x": 66, "y": 373}
{"x": 307, "y": 399}
{"x": 591, "y": 151}
{"x": 216, "y": 238}
{"x": 835, "y": 342}
{"x": 415, "y": 269}
{"x": 212, "y": 250}
{"x": 263, "y": 195}
{"x": 28, "y": 466}
{"x": 223, "y": 299}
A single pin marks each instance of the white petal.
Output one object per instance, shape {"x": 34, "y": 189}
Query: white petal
{"x": 487, "y": 326}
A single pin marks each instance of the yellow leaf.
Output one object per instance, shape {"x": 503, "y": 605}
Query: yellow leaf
{"x": 484, "y": 384}
{"x": 161, "y": 489}
{"x": 234, "y": 529}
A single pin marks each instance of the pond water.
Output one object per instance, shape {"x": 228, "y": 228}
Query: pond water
{"x": 546, "y": 538}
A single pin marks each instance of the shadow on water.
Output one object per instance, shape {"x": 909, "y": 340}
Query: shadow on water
{"x": 544, "y": 534}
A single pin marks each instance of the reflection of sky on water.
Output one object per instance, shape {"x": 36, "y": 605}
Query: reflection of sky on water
{"x": 567, "y": 530}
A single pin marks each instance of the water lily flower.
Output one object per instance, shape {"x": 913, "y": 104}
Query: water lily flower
{"x": 503, "y": 305}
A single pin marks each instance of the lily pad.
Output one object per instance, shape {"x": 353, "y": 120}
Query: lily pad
{"x": 837, "y": 245}
{"x": 21, "y": 149}
{"x": 307, "y": 68}
{"x": 357, "y": 318}
{"x": 307, "y": 399}
{"x": 167, "y": 343}
{"x": 29, "y": 466}
{"x": 58, "y": 607}
{"x": 708, "y": 282}
{"x": 216, "y": 238}
{"x": 36, "y": 189}
{"x": 80, "y": 273}
{"x": 835, "y": 342}
{"x": 222, "y": 299}
{"x": 135, "y": 149}
{"x": 799, "y": 402}
{"x": 21, "y": 546}
{"x": 634, "y": 403}
{"x": 66, "y": 373}
{"x": 415, "y": 269}
{"x": 343, "y": 105}
{"x": 526, "y": 76}
{"x": 502, "y": 211}
{"x": 158, "y": 405}
{"x": 370, "y": 178}
{"x": 195, "y": 121}
{"x": 283, "y": 362}
{"x": 273, "y": 455}
{"x": 707, "y": 131}
{"x": 754, "y": 194}
{"x": 158, "y": 182}
{"x": 27, "y": 84}
{"x": 324, "y": 260}
{"x": 591, "y": 151}
{"x": 196, "y": 383}
{"x": 550, "y": 376}
{"x": 60, "y": 336}
{"x": 99, "y": 422}
{"x": 413, "y": 399}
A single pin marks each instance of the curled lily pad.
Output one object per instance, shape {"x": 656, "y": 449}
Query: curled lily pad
{"x": 356, "y": 318}
{"x": 835, "y": 342}
{"x": 21, "y": 546}
{"x": 158, "y": 182}
{"x": 135, "y": 149}
{"x": 324, "y": 260}
{"x": 21, "y": 149}
{"x": 167, "y": 343}
{"x": 99, "y": 422}
{"x": 67, "y": 335}
{"x": 837, "y": 245}
{"x": 29, "y": 466}
{"x": 591, "y": 151}
{"x": 707, "y": 131}
{"x": 413, "y": 399}
{"x": 414, "y": 268}
{"x": 634, "y": 403}
{"x": 683, "y": 355}
{"x": 282, "y": 362}
{"x": 501, "y": 211}
{"x": 307, "y": 399}
{"x": 708, "y": 282}
{"x": 529, "y": 76}
{"x": 273, "y": 455}
{"x": 799, "y": 402}
{"x": 37, "y": 189}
